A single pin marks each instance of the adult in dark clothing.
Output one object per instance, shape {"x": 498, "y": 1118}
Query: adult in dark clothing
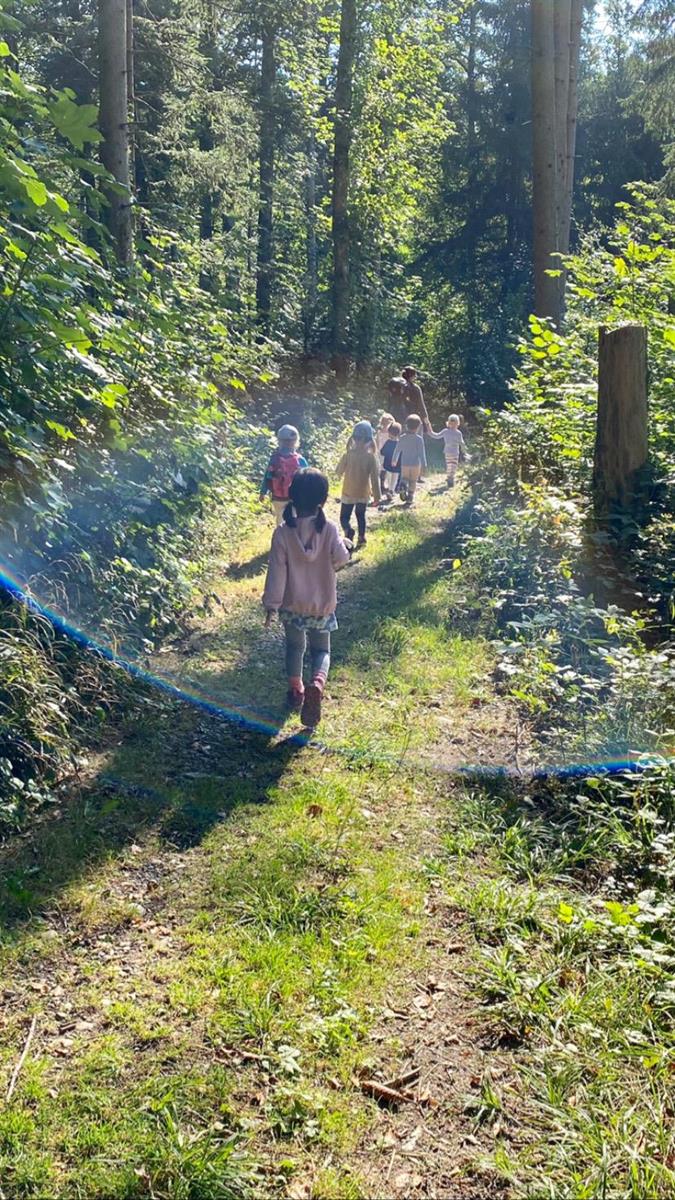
{"x": 398, "y": 397}
{"x": 414, "y": 396}
{"x": 415, "y": 404}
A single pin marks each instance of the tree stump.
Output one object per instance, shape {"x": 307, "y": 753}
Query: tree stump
{"x": 621, "y": 444}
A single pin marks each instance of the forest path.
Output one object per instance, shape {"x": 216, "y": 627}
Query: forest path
{"x": 228, "y": 934}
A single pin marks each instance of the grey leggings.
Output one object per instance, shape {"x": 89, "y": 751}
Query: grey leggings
{"x": 296, "y": 644}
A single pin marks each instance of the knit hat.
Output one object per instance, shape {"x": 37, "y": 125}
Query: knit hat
{"x": 363, "y": 432}
{"x": 288, "y": 433}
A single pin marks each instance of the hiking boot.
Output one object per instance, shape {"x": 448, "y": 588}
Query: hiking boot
{"x": 311, "y": 709}
{"x": 362, "y": 541}
{"x": 294, "y": 699}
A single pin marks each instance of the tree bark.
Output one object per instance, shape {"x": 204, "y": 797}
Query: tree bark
{"x": 341, "y": 174}
{"x": 312, "y": 272}
{"x": 131, "y": 90}
{"x": 621, "y": 445}
{"x": 556, "y": 39}
{"x": 114, "y": 121}
{"x": 266, "y": 179}
{"x": 576, "y": 22}
{"x": 544, "y": 158}
{"x": 472, "y": 172}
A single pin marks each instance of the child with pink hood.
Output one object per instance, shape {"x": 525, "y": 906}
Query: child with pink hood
{"x": 307, "y": 551}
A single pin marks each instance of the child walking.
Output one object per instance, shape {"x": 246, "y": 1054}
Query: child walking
{"x": 391, "y": 475}
{"x": 283, "y": 466}
{"x": 307, "y": 550}
{"x": 453, "y": 445}
{"x": 412, "y": 457}
{"x": 361, "y": 479}
{"x": 381, "y": 435}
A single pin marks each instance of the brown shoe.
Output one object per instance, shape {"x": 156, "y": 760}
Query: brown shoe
{"x": 311, "y": 709}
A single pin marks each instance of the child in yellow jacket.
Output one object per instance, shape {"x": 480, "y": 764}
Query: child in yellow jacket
{"x": 359, "y": 469}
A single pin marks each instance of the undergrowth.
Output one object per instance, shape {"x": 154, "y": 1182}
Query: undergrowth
{"x": 574, "y": 923}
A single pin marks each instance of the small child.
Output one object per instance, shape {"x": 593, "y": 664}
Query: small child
{"x": 391, "y": 474}
{"x": 381, "y": 435}
{"x": 412, "y": 457}
{"x": 453, "y": 446}
{"x": 307, "y": 550}
{"x": 360, "y": 469}
{"x": 283, "y": 466}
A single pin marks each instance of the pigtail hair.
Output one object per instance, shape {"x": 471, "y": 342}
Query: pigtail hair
{"x": 320, "y": 520}
{"x": 289, "y": 515}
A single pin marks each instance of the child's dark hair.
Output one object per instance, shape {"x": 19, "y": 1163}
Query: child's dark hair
{"x": 413, "y": 422}
{"x": 308, "y": 492}
{"x": 395, "y": 429}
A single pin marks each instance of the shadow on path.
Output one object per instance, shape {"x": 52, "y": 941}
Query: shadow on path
{"x": 201, "y": 770}
{"x": 179, "y": 771}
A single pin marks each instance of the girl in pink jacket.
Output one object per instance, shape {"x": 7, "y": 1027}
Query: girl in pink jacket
{"x": 307, "y": 550}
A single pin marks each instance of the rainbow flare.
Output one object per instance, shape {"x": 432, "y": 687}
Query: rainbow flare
{"x": 243, "y": 718}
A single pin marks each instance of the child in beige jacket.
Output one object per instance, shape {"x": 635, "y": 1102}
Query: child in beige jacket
{"x": 359, "y": 469}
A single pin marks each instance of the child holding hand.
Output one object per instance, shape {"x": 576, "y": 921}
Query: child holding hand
{"x": 412, "y": 456}
{"x": 307, "y": 551}
{"x": 453, "y": 445}
{"x": 381, "y": 436}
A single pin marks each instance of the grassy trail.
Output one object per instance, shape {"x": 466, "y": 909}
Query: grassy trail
{"x": 225, "y": 932}
{"x": 218, "y": 950}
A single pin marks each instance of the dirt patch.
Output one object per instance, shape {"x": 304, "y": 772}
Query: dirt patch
{"x": 434, "y": 1143}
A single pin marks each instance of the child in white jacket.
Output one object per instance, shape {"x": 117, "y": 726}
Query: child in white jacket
{"x": 453, "y": 445}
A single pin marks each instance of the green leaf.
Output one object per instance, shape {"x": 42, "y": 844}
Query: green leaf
{"x": 111, "y": 393}
{"x": 669, "y": 335}
{"x": 4, "y": 50}
{"x": 75, "y": 122}
{"x": 72, "y": 336}
{"x": 620, "y": 268}
{"x": 65, "y": 234}
{"x": 66, "y": 435}
{"x": 36, "y": 191}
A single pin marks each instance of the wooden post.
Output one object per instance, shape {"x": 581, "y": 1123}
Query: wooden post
{"x": 621, "y": 444}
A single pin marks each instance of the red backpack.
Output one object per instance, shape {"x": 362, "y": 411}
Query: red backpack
{"x": 283, "y": 469}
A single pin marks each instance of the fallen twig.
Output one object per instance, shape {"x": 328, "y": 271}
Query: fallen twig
{"x": 382, "y": 1092}
{"x": 403, "y": 1081}
{"x": 17, "y": 1070}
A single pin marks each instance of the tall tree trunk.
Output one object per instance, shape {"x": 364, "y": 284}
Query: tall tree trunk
{"x": 312, "y": 272}
{"x": 556, "y": 42}
{"x": 341, "y": 172}
{"x": 472, "y": 172}
{"x": 544, "y": 161}
{"x": 114, "y": 121}
{"x": 266, "y": 179}
{"x": 131, "y": 90}
{"x": 576, "y": 23}
{"x": 207, "y": 207}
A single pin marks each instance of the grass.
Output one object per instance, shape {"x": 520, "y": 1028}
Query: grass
{"x": 573, "y": 926}
{"x": 208, "y": 932}
{"x": 211, "y": 946}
